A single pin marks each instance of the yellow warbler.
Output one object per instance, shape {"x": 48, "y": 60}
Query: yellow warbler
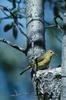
{"x": 42, "y": 61}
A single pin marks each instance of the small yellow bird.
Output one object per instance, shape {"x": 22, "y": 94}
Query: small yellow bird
{"x": 42, "y": 61}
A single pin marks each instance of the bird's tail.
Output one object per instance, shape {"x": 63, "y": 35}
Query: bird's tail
{"x": 26, "y": 69}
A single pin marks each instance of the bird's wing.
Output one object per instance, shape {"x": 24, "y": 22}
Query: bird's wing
{"x": 42, "y": 57}
{"x": 43, "y": 64}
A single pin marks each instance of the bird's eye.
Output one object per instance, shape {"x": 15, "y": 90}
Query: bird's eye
{"x": 51, "y": 52}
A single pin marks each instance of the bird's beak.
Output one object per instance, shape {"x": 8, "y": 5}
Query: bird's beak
{"x": 53, "y": 53}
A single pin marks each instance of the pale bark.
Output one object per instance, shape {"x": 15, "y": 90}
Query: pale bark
{"x": 35, "y": 27}
{"x": 63, "y": 94}
{"x": 35, "y": 30}
{"x": 35, "y": 33}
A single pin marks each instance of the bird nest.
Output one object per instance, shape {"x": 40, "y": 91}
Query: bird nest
{"x": 48, "y": 84}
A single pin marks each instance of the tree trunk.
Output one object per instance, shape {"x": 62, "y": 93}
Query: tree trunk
{"x": 63, "y": 94}
{"x": 47, "y": 86}
{"x": 35, "y": 30}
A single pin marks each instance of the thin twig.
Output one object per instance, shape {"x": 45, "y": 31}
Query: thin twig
{"x": 50, "y": 26}
{"x": 20, "y": 24}
{"x": 22, "y": 31}
{"x": 15, "y": 22}
{"x": 8, "y": 10}
{"x": 3, "y": 18}
{"x": 12, "y": 45}
{"x": 4, "y": 12}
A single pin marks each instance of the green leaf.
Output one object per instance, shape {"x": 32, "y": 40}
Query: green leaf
{"x": 15, "y": 31}
{"x": 7, "y": 27}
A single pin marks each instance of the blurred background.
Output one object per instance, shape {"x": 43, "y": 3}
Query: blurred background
{"x": 12, "y": 85}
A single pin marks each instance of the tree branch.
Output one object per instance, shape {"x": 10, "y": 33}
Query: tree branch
{"x": 13, "y": 45}
{"x": 3, "y": 18}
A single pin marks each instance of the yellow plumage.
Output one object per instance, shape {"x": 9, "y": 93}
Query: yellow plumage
{"x": 42, "y": 61}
